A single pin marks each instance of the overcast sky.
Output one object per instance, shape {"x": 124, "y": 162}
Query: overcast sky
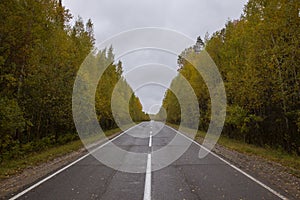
{"x": 190, "y": 17}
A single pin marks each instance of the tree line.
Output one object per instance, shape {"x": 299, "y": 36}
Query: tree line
{"x": 258, "y": 56}
{"x": 40, "y": 54}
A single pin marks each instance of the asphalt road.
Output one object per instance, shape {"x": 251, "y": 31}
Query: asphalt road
{"x": 187, "y": 178}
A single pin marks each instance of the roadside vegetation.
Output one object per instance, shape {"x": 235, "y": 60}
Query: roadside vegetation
{"x": 40, "y": 54}
{"x": 14, "y": 166}
{"x": 258, "y": 58}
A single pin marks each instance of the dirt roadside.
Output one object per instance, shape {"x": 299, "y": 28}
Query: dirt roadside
{"x": 272, "y": 174}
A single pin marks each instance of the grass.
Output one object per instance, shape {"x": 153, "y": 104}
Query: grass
{"x": 292, "y": 162}
{"x": 12, "y": 167}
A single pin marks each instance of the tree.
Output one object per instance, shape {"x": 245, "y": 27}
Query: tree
{"x": 258, "y": 57}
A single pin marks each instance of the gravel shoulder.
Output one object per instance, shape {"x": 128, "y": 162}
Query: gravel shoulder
{"x": 268, "y": 172}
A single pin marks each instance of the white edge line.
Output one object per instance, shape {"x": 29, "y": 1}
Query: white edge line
{"x": 234, "y": 167}
{"x": 147, "y": 189}
{"x": 66, "y": 167}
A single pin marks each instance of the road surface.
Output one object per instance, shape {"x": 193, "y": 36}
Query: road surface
{"x": 187, "y": 178}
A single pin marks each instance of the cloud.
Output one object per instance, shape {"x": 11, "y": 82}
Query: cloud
{"x": 190, "y": 17}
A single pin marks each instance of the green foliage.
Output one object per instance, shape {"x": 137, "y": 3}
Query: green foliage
{"x": 237, "y": 116}
{"x": 12, "y": 123}
{"x": 11, "y": 116}
{"x": 112, "y": 81}
{"x": 258, "y": 57}
{"x": 40, "y": 54}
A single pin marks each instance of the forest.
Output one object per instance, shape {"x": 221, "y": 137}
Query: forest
{"x": 258, "y": 56}
{"x": 42, "y": 47}
{"x": 40, "y": 54}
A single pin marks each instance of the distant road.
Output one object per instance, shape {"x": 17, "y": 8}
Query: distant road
{"x": 187, "y": 178}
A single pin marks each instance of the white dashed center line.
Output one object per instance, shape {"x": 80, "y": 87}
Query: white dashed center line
{"x": 150, "y": 141}
{"x": 147, "y": 190}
